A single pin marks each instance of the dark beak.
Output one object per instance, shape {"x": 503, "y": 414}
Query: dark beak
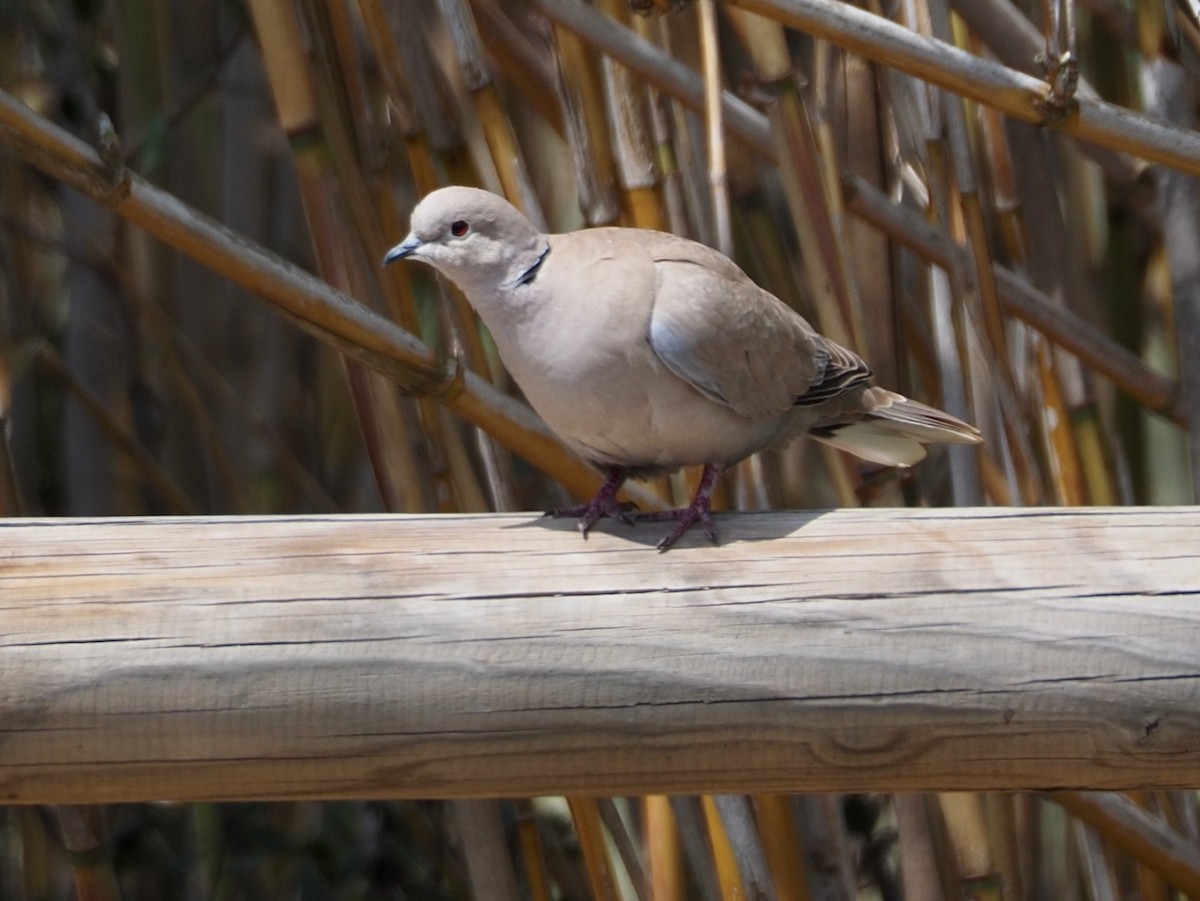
{"x": 411, "y": 244}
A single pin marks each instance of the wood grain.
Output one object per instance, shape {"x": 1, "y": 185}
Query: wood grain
{"x": 461, "y": 656}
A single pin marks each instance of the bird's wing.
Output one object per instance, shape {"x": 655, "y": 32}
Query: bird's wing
{"x": 736, "y": 343}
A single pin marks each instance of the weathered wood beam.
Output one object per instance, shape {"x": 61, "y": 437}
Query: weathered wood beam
{"x": 459, "y": 656}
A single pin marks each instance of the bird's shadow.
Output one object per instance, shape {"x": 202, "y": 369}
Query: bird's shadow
{"x": 732, "y": 527}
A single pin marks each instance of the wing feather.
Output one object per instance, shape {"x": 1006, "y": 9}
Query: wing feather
{"x": 736, "y": 343}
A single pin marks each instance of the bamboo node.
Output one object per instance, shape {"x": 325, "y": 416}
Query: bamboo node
{"x": 112, "y": 178}
{"x": 649, "y": 7}
{"x": 450, "y": 390}
{"x": 1054, "y": 112}
{"x": 1060, "y": 104}
{"x": 761, "y": 92}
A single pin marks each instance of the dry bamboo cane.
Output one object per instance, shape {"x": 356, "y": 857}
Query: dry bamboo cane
{"x": 590, "y": 831}
{"x": 481, "y": 835}
{"x": 532, "y": 854}
{"x": 1145, "y": 837}
{"x": 781, "y": 844}
{"x": 1015, "y": 93}
{"x": 966, "y": 827}
{"x": 633, "y": 143}
{"x": 1022, "y": 300}
{"x": 520, "y": 62}
{"x": 459, "y": 487}
{"x": 626, "y": 848}
{"x": 729, "y": 879}
{"x": 664, "y": 851}
{"x": 318, "y": 144}
{"x": 308, "y": 302}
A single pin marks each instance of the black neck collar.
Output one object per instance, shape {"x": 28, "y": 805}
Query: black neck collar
{"x": 531, "y": 273}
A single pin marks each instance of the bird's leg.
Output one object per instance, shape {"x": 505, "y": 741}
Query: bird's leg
{"x": 603, "y": 504}
{"x": 696, "y": 512}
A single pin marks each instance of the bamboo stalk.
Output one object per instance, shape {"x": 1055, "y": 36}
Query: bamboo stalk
{"x": 1093, "y": 863}
{"x": 1151, "y": 886}
{"x": 481, "y": 834}
{"x": 633, "y": 144}
{"x": 693, "y": 834}
{"x": 1063, "y": 453}
{"x": 1023, "y": 301}
{"x": 948, "y": 301}
{"x": 918, "y": 858}
{"x": 497, "y": 128}
{"x": 1012, "y": 92}
{"x": 625, "y": 846}
{"x": 185, "y": 367}
{"x": 665, "y": 73}
{"x": 453, "y": 479}
{"x": 308, "y": 302}
{"x": 582, "y": 99}
{"x": 829, "y": 169}
{"x": 1016, "y": 42}
{"x": 968, "y": 194}
{"x": 1092, "y": 442}
{"x": 455, "y": 484}
{"x": 588, "y": 827}
{"x": 10, "y": 495}
{"x": 380, "y": 410}
{"x": 507, "y": 157}
{"x": 339, "y": 65}
{"x": 717, "y": 177}
{"x": 85, "y": 836}
{"x": 1145, "y": 837}
{"x": 426, "y": 89}
{"x": 1005, "y": 832}
{"x": 1186, "y": 808}
{"x": 859, "y": 116}
{"x": 315, "y": 120}
{"x": 664, "y": 851}
{"x": 521, "y": 62}
{"x": 725, "y": 861}
{"x": 737, "y": 820}
{"x": 1171, "y": 94}
{"x": 781, "y": 844}
{"x": 804, "y": 189}
{"x": 966, "y": 826}
{"x": 666, "y": 158}
{"x": 532, "y": 854}
{"x": 155, "y": 474}
{"x": 825, "y": 847}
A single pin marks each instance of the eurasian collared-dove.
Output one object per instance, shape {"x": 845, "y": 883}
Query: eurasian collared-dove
{"x": 645, "y": 352}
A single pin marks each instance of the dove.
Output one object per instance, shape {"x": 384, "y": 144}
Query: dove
{"x": 645, "y": 351}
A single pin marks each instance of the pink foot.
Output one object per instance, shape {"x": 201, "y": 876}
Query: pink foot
{"x": 697, "y": 512}
{"x": 603, "y": 504}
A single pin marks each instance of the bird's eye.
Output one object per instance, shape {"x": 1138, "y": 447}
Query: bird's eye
{"x": 459, "y": 228}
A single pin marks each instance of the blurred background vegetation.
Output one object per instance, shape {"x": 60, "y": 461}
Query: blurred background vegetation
{"x": 1038, "y": 287}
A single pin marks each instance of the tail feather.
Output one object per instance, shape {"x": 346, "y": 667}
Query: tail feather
{"x": 895, "y": 430}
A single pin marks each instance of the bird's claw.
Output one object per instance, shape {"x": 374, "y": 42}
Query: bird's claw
{"x": 605, "y": 504}
{"x": 684, "y": 519}
{"x": 592, "y": 512}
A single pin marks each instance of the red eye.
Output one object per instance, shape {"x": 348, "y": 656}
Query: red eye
{"x": 459, "y": 228}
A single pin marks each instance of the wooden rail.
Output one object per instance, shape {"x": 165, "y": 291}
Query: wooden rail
{"x": 455, "y": 656}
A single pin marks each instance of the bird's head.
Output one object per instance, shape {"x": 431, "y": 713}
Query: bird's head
{"x": 472, "y": 236}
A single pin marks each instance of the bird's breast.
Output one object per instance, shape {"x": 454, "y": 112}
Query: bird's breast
{"x": 607, "y": 395}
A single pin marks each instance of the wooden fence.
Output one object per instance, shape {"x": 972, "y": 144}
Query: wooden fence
{"x": 470, "y": 656}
